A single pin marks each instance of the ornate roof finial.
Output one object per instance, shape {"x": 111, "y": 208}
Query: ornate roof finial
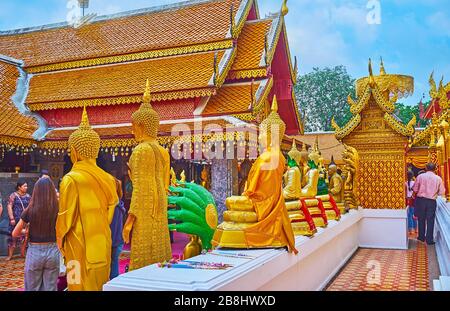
{"x": 382, "y": 70}
{"x": 371, "y": 78}
{"x": 284, "y": 8}
{"x": 441, "y": 85}
{"x": 433, "y": 88}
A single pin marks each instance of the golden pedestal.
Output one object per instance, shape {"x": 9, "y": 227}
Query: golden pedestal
{"x": 231, "y": 235}
{"x": 331, "y": 209}
{"x": 301, "y": 220}
{"x": 317, "y": 211}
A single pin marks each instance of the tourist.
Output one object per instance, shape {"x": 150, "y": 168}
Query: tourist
{"x": 427, "y": 188}
{"x": 44, "y": 174}
{"x": 18, "y": 202}
{"x": 42, "y": 261}
{"x": 116, "y": 232}
{"x": 412, "y": 223}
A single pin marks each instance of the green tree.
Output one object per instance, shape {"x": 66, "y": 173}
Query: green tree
{"x": 405, "y": 113}
{"x": 322, "y": 94}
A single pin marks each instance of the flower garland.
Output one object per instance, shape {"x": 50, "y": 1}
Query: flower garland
{"x": 204, "y": 265}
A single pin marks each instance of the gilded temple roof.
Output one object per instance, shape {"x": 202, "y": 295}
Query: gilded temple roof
{"x": 377, "y": 88}
{"x": 201, "y": 55}
{"x": 183, "y": 76}
{"x": 185, "y": 24}
{"x": 15, "y": 128}
{"x": 240, "y": 98}
{"x": 253, "y": 34}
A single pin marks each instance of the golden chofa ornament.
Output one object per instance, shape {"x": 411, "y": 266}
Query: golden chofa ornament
{"x": 146, "y": 116}
{"x": 85, "y": 140}
{"x": 273, "y": 124}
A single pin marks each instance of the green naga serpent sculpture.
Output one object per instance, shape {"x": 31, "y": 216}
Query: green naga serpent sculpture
{"x": 196, "y": 211}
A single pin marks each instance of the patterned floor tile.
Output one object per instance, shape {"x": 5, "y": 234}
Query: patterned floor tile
{"x": 384, "y": 270}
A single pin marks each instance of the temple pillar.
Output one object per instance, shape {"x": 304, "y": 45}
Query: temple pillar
{"x": 224, "y": 182}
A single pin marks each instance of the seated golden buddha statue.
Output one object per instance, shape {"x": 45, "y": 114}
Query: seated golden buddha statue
{"x": 309, "y": 191}
{"x": 303, "y": 164}
{"x": 336, "y": 187}
{"x": 301, "y": 220}
{"x": 292, "y": 177}
{"x": 258, "y": 218}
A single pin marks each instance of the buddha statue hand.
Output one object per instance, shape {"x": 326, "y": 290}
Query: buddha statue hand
{"x": 196, "y": 213}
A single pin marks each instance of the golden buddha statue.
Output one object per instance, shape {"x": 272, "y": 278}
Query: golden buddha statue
{"x": 259, "y": 218}
{"x": 292, "y": 177}
{"x": 336, "y": 187}
{"x": 205, "y": 178}
{"x": 301, "y": 220}
{"x": 87, "y": 201}
{"x": 308, "y": 194}
{"x": 303, "y": 164}
{"x": 150, "y": 173}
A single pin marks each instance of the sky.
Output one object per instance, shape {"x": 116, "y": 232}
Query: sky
{"x": 412, "y": 36}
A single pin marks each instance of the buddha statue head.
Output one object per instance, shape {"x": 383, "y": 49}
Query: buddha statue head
{"x": 294, "y": 154}
{"x": 145, "y": 120}
{"x": 304, "y": 155}
{"x": 272, "y": 128}
{"x": 84, "y": 143}
{"x": 314, "y": 159}
{"x": 332, "y": 169}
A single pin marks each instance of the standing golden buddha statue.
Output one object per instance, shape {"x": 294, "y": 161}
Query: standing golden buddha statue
{"x": 259, "y": 218}
{"x": 150, "y": 174}
{"x": 86, "y": 207}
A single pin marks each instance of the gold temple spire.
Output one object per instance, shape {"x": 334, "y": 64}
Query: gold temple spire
{"x": 382, "y": 70}
{"x": 284, "y": 8}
